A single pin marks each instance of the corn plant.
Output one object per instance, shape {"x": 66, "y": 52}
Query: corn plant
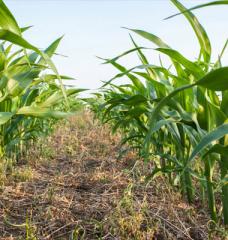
{"x": 32, "y": 94}
{"x": 177, "y": 115}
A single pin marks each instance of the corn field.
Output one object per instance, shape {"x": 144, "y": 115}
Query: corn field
{"x": 33, "y": 95}
{"x": 175, "y": 115}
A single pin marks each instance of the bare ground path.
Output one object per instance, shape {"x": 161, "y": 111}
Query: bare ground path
{"x": 73, "y": 186}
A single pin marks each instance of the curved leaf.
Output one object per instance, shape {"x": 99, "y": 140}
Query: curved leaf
{"x": 201, "y": 34}
{"x": 218, "y": 2}
{"x": 216, "y": 80}
{"x": 7, "y": 20}
{"x": 214, "y": 135}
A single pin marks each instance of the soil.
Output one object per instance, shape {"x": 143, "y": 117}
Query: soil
{"x": 73, "y": 185}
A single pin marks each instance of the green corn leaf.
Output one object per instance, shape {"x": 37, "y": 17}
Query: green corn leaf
{"x": 213, "y": 3}
{"x": 24, "y": 29}
{"x": 151, "y": 37}
{"x": 156, "y": 111}
{"x": 122, "y": 55}
{"x": 224, "y": 102}
{"x": 199, "y": 31}
{"x": 218, "y": 62}
{"x": 217, "y": 148}
{"x": 216, "y": 80}
{"x": 137, "y": 83}
{"x": 127, "y": 72}
{"x": 157, "y": 41}
{"x": 51, "y": 50}
{"x": 141, "y": 55}
{"x": 17, "y": 39}
{"x": 7, "y": 20}
{"x": 164, "y": 102}
{"x": 214, "y": 135}
{"x": 42, "y": 112}
{"x": 5, "y": 117}
{"x": 20, "y": 82}
{"x": 48, "y": 51}
{"x": 137, "y": 111}
{"x": 135, "y": 100}
{"x": 179, "y": 58}
{"x": 209, "y": 81}
{"x": 57, "y": 97}
{"x": 143, "y": 59}
{"x": 51, "y": 77}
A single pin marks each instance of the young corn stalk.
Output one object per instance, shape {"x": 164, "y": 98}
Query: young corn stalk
{"x": 177, "y": 114}
{"x": 31, "y": 97}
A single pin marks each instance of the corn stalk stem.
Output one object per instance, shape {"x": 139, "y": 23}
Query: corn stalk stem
{"x": 188, "y": 186}
{"x": 210, "y": 190}
{"x": 224, "y": 172}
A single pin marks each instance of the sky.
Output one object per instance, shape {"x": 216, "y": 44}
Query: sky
{"x": 93, "y": 28}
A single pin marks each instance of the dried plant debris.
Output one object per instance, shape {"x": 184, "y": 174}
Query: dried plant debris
{"x": 73, "y": 186}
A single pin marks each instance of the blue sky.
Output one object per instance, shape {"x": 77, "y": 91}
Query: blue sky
{"x": 93, "y": 28}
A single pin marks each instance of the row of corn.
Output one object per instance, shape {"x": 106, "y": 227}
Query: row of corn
{"x": 32, "y": 93}
{"x": 175, "y": 114}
